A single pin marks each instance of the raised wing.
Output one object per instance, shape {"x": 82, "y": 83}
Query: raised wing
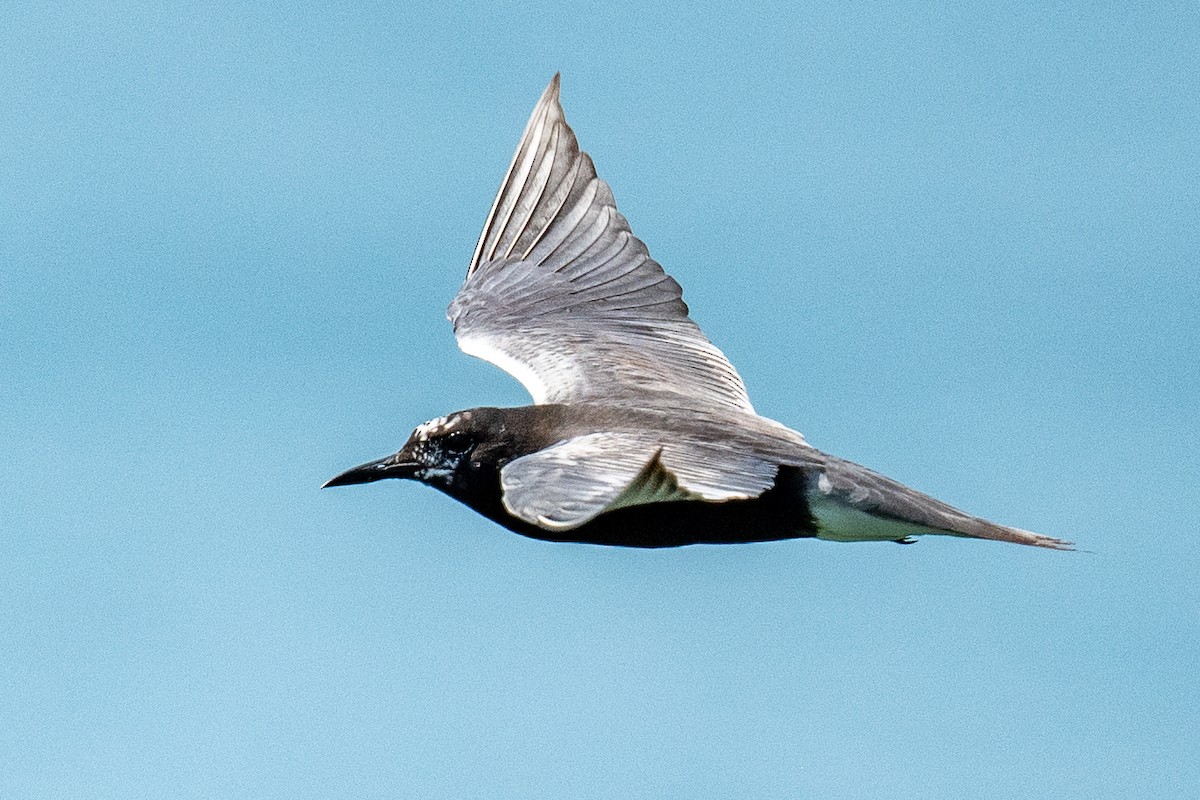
{"x": 564, "y": 297}
{"x": 571, "y": 483}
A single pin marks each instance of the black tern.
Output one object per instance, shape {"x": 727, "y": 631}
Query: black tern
{"x": 641, "y": 433}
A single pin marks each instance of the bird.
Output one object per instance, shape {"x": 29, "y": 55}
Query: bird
{"x": 641, "y": 432}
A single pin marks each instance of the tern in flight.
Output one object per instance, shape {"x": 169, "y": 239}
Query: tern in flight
{"x": 641, "y": 433}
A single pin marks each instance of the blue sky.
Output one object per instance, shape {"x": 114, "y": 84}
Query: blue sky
{"x": 958, "y": 245}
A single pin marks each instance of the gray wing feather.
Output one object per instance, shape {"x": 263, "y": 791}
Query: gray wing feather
{"x": 867, "y": 491}
{"x": 571, "y": 483}
{"x": 561, "y": 294}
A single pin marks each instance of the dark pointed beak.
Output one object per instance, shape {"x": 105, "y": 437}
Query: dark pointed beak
{"x": 390, "y": 467}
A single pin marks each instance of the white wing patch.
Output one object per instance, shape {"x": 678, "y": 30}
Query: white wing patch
{"x": 485, "y": 348}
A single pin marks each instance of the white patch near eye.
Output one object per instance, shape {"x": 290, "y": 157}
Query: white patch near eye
{"x": 438, "y": 426}
{"x": 427, "y": 429}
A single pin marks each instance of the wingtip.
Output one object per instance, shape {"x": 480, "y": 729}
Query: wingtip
{"x": 551, "y": 94}
{"x": 982, "y": 529}
{"x": 1058, "y": 544}
{"x": 1049, "y": 542}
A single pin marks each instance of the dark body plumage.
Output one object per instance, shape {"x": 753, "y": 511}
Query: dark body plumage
{"x": 642, "y": 433}
{"x": 502, "y": 435}
{"x": 779, "y": 513}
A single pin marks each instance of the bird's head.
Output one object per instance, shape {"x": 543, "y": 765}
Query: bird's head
{"x": 435, "y": 453}
{"x": 459, "y": 452}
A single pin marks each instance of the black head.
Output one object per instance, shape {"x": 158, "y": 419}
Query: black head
{"x": 454, "y": 452}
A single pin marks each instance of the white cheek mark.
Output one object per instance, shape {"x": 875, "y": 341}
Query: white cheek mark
{"x": 433, "y": 474}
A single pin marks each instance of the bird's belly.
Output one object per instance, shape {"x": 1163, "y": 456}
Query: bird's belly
{"x": 675, "y": 524}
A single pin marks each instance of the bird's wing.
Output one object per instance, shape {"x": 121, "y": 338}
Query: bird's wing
{"x": 853, "y": 503}
{"x": 564, "y": 297}
{"x": 571, "y": 483}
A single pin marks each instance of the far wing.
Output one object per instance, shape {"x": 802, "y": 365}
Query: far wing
{"x": 843, "y": 485}
{"x": 564, "y": 297}
{"x": 571, "y": 483}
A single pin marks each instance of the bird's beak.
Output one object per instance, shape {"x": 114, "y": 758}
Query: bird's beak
{"x": 395, "y": 466}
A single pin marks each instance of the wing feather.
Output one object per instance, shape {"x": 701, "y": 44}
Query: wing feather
{"x": 847, "y": 485}
{"x": 569, "y": 484}
{"x": 562, "y": 295}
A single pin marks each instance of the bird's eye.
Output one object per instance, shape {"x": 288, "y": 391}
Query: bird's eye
{"x": 457, "y": 442}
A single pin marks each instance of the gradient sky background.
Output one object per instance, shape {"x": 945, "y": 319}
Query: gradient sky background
{"x": 958, "y": 245}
